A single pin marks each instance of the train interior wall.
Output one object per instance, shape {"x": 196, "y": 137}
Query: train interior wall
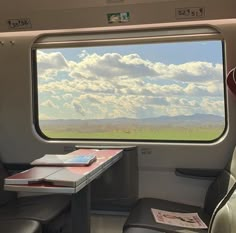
{"x": 19, "y": 141}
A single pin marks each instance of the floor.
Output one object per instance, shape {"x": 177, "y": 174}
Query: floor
{"x": 107, "y": 223}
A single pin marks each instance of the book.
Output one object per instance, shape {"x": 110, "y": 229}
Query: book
{"x": 105, "y": 158}
{"x": 83, "y": 160}
{"x": 32, "y": 175}
{"x": 58, "y": 176}
{"x": 65, "y": 160}
{"x": 66, "y": 176}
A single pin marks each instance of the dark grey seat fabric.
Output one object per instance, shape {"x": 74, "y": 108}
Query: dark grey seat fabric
{"x": 141, "y": 216}
{"x": 141, "y": 230}
{"x": 20, "y": 226}
{"x": 5, "y": 196}
{"x": 49, "y": 210}
{"x": 41, "y": 208}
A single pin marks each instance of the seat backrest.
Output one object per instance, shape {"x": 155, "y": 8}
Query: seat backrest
{"x": 223, "y": 219}
{"x": 231, "y": 81}
{"x": 221, "y": 186}
{"x": 5, "y": 196}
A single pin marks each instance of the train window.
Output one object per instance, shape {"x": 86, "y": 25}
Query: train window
{"x": 132, "y": 91}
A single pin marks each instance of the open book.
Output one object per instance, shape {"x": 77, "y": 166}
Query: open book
{"x": 80, "y": 159}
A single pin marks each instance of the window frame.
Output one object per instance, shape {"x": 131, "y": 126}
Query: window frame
{"x": 96, "y": 38}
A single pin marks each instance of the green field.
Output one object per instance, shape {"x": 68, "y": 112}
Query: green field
{"x": 170, "y": 133}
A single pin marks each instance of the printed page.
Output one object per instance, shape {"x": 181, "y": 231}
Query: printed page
{"x": 190, "y": 220}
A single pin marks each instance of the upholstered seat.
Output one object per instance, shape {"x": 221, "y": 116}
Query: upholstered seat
{"x": 41, "y": 208}
{"x": 20, "y": 226}
{"x": 50, "y": 210}
{"x": 142, "y": 230}
{"x": 231, "y": 81}
{"x": 142, "y": 218}
{"x": 223, "y": 220}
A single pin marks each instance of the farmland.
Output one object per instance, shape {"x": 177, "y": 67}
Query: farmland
{"x": 175, "y": 128}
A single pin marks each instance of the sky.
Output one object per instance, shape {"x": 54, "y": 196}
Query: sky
{"x": 133, "y": 81}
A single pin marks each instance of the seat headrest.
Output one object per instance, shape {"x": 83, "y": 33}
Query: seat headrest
{"x": 231, "y": 81}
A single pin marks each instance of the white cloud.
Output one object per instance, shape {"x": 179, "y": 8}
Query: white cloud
{"x": 68, "y": 105}
{"x": 49, "y": 104}
{"x": 51, "y": 60}
{"x": 54, "y": 87}
{"x": 114, "y": 65}
{"x": 67, "y": 96}
{"x": 212, "y": 106}
{"x": 78, "y": 107}
{"x": 83, "y": 54}
{"x": 112, "y": 85}
{"x": 49, "y": 64}
{"x": 112, "y": 71}
{"x": 56, "y": 97}
{"x": 43, "y": 116}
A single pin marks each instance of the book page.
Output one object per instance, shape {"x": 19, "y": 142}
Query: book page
{"x": 190, "y": 220}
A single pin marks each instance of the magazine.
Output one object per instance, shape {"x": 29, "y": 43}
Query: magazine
{"x": 190, "y": 220}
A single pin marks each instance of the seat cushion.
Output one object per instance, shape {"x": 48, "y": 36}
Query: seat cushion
{"x": 141, "y": 230}
{"x": 60, "y": 224}
{"x": 141, "y": 216}
{"x": 41, "y": 208}
{"x": 20, "y": 226}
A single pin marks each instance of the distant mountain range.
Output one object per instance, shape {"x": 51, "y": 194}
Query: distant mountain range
{"x": 196, "y": 119}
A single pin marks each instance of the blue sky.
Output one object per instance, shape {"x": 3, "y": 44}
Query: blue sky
{"x": 135, "y": 81}
{"x": 210, "y": 51}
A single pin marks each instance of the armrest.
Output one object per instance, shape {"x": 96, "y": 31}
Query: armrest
{"x": 196, "y": 173}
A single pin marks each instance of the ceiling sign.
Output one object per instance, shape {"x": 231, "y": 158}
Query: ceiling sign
{"x": 123, "y": 17}
{"x": 189, "y": 12}
{"x": 19, "y": 24}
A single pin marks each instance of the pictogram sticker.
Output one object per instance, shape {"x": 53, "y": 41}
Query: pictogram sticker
{"x": 19, "y": 24}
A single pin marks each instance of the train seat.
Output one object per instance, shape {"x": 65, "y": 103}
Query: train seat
{"x": 223, "y": 220}
{"x": 50, "y": 210}
{"x": 231, "y": 81}
{"x": 20, "y": 226}
{"x": 141, "y": 216}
